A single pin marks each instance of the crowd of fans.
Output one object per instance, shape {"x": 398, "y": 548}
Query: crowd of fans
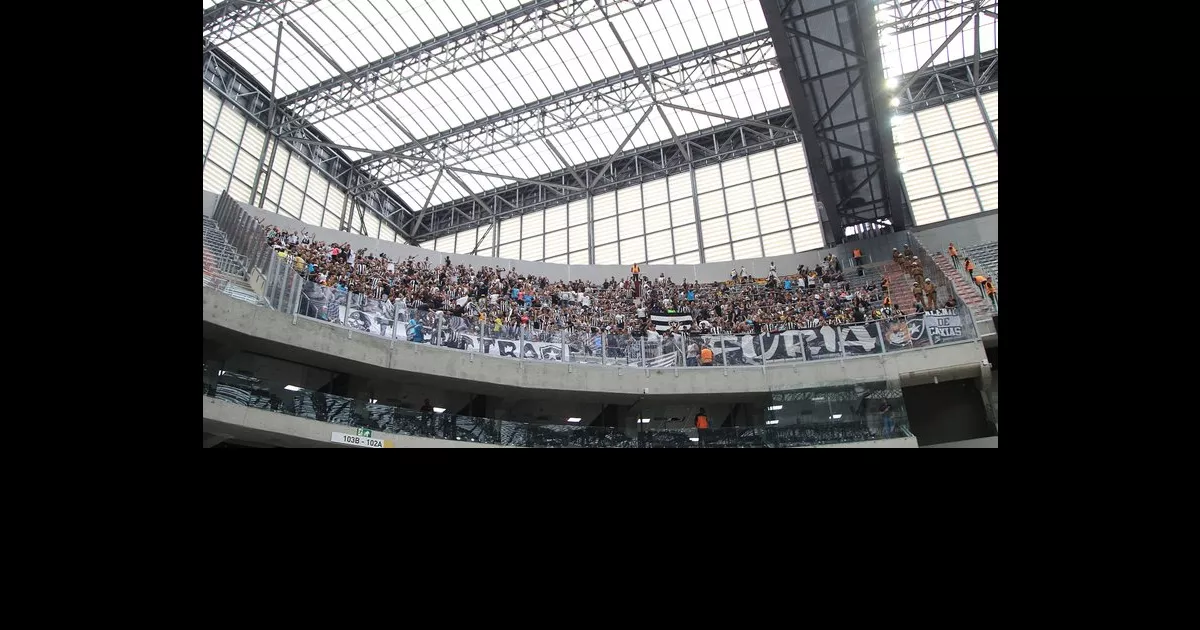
{"x": 504, "y": 299}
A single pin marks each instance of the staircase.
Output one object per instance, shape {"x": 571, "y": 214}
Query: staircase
{"x": 901, "y": 287}
{"x": 224, "y": 268}
{"x": 967, "y": 293}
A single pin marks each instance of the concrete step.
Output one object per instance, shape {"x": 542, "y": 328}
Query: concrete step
{"x": 962, "y": 286}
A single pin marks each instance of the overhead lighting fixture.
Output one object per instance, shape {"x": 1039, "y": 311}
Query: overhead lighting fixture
{"x": 820, "y": 398}
{"x": 643, "y": 420}
{"x": 694, "y": 439}
{"x": 438, "y": 409}
{"x": 774, "y": 407}
{"x": 891, "y": 83}
{"x": 895, "y": 121}
{"x": 220, "y": 372}
{"x": 291, "y": 388}
{"x": 837, "y": 416}
{"x": 772, "y": 422}
{"x": 372, "y": 400}
{"x": 895, "y": 102}
{"x": 574, "y": 419}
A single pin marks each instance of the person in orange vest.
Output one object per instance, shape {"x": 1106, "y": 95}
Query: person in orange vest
{"x": 857, "y": 257}
{"x": 953, "y": 256}
{"x": 702, "y": 426}
{"x": 635, "y": 270}
{"x": 887, "y": 301}
{"x": 706, "y": 356}
{"x": 991, "y": 290}
{"x": 979, "y": 283}
{"x": 969, "y": 266}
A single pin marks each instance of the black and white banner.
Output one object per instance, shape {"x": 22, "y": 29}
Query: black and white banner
{"x": 944, "y": 324}
{"x": 923, "y": 330}
{"x": 532, "y": 350}
{"x": 662, "y": 323}
{"x": 323, "y": 303}
{"x": 371, "y": 316}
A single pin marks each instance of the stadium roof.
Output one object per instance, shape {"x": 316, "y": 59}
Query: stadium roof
{"x": 439, "y": 101}
{"x": 502, "y": 87}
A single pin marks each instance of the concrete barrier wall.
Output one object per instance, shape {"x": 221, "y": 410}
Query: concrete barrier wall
{"x": 962, "y": 360}
{"x": 972, "y": 230}
{"x": 987, "y": 442}
{"x": 904, "y": 442}
{"x": 210, "y": 202}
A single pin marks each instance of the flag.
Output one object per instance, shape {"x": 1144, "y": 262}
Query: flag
{"x": 663, "y": 322}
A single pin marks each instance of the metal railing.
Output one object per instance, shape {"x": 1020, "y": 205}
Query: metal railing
{"x": 256, "y": 393}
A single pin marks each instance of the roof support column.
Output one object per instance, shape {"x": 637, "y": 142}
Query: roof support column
{"x": 880, "y": 109}
{"x": 696, "y": 209}
{"x": 789, "y": 69}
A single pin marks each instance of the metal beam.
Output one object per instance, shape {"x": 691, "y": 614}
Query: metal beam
{"x": 233, "y": 19}
{"x": 849, "y": 147}
{"x": 817, "y": 40}
{"x": 563, "y": 161}
{"x": 879, "y": 108}
{"x": 491, "y": 38}
{"x": 427, "y": 160}
{"x": 838, "y": 101}
{"x": 929, "y": 61}
{"x": 641, "y": 75}
{"x": 628, "y": 137}
{"x": 243, "y": 91}
{"x": 755, "y": 123}
{"x": 404, "y": 130}
{"x": 697, "y": 59}
{"x": 425, "y": 206}
{"x": 789, "y": 69}
{"x": 632, "y": 167}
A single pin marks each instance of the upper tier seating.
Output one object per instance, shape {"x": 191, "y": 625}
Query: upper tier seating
{"x": 506, "y": 298}
{"x": 987, "y": 257}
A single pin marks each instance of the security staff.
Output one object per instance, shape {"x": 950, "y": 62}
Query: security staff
{"x": 702, "y": 426}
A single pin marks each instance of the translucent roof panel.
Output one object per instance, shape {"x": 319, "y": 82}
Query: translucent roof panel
{"x": 485, "y": 85}
{"x": 333, "y": 36}
{"x": 909, "y": 32}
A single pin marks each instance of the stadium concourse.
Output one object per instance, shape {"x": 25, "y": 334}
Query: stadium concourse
{"x": 586, "y": 195}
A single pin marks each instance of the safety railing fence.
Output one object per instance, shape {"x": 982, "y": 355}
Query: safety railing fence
{"x": 384, "y": 318}
{"x": 281, "y": 282}
{"x": 288, "y": 290}
{"x": 945, "y": 286}
{"x": 249, "y": 391}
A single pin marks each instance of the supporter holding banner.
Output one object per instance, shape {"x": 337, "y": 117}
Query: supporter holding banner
{"x": 662, "y": 323}
{"x": 370, "y": 315}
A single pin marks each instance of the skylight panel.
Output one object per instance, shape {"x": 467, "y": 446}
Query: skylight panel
{"x": 710, "y": 29}
{"x": 423, "y": 21}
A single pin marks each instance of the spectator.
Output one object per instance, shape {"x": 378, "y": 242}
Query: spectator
{"x": 885, "y": 410}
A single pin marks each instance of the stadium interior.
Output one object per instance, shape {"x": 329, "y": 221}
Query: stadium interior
{"x": 600, "y": 223}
